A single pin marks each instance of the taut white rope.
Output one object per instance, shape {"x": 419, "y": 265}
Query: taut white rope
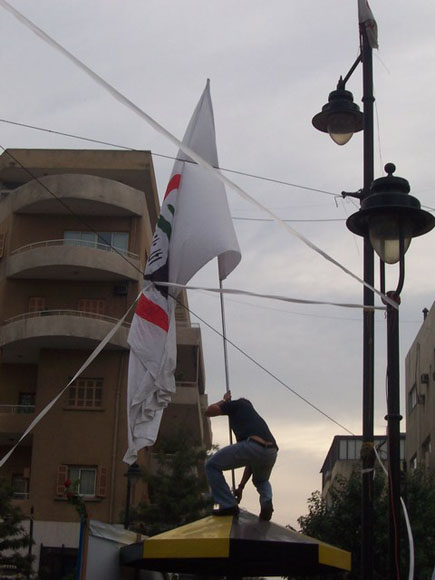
{"x": 270, "y": 296}
{"x": 88, "y": 361}
{"x": 133, "y": 107}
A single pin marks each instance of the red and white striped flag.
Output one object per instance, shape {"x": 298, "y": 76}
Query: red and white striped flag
{"x": 194, "y": 227}
{"x": 366, "y": 19}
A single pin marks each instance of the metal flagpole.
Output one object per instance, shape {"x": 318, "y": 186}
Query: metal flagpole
{"x": 227, "y": 378}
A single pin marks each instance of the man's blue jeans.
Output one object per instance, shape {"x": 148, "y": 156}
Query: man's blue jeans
{"x": 260, "y": 459}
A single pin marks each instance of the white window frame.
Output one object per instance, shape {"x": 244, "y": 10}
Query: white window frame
{"x": 75, "y": 473}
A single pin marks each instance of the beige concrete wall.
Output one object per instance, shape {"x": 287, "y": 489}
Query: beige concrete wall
{"x": 133, "y": 168}
{"x": 65, "y": 435}
{"x": 420, "y": 421}
{"x": 15, "y": 379}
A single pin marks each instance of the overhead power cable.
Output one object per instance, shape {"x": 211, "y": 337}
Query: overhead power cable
{"x": 275, "y": 377}
{"x": 248, "y": 219}
{"x": 174, "y": 158}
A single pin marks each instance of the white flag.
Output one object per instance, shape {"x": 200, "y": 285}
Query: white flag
{"x": 366, "y": 19}
{"x": 194, "y": 227}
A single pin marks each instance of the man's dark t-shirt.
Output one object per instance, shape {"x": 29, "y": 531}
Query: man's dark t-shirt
{"x": 245, "y": 421}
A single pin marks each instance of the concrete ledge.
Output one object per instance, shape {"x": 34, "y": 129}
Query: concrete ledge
{"x": 86, "y": 194}
{"x": 69, "y": 329}
{"x": 72, "y": 263}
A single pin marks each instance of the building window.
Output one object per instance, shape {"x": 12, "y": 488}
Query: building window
{"x": 87, "y": 480}
{"x": 20, "y": 486}
{"x": 412, "y": 398}
{"x": 86, "y": 393}
{"x": 83, "y": 479}
{"x": 413, "y": 462}
{"x": 92, "y": 306}
{"x": 100, "y": 240}
{"x": 26, "y": 402}
{"x": 350, "y": 449}
{"x": 36, "y": 304}
{"x": 118, "y": 240}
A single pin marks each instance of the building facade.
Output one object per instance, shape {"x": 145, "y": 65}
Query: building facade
{"x": 420, "y": 396}
{"x": 344, "y": 456}
{"x": 75, "y": 227}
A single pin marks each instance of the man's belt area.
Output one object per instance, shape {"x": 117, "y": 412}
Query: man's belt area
{"x": 265, "y": 444}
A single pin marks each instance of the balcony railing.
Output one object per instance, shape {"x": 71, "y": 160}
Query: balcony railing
{"x": 16, "y": 409}
{"x": 190, "y": 384}
{"x": 87, "y": 243}
{"x": 77, "y": 313}
{"x": 20, "y": 495}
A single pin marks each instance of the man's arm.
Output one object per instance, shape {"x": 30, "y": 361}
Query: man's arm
{"x": 214, "y": 410}
{"x": 245, "y": 478}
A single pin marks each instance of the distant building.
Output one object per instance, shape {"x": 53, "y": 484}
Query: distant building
{"x": 75, "y": 228}
{"x": 420, "y": 396}
{"x": 344, "y": 456}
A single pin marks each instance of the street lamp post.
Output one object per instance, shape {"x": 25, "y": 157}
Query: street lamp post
{"x": 389, "y": 217}
{"x": 341, "y": 118}
{"x": 132, "y": 475}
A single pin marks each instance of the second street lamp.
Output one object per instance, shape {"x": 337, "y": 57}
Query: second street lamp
{"x": 391, "y": 217}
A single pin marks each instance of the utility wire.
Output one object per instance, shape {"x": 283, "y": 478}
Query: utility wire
{"x": 263, "y": 368}
{"x": 248, "y": 219}
{"x": 162, "y": 155}
{"x": 82, "y": 222}
{"x": 98, "y": 142}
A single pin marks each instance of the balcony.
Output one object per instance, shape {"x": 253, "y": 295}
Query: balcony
{"x": 82, "y": 194}
{"x": 187, "y": 408}
{"x": 190, "y": 361}
{"x": 16, "y": 418}
{"x": 189, "y": 334}
{"x": 73, "y": 260}
{"x": 22, "y": 336}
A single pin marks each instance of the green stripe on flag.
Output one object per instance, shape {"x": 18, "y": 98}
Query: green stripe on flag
{"x": 165, "y": 226}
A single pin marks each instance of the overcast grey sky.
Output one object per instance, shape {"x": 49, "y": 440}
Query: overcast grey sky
{"x": 272, "y": 66}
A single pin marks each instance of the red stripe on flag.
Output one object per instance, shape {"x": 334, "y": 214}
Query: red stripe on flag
{"x": 152, "y": 312}
{"x": 174, "y": 183}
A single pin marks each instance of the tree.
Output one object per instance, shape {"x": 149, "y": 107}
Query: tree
{"x": 14, "y": 539}
{"x": 419, "y": 496}
{"x": 177, "y": 492}
{"x": 339, "y": 522}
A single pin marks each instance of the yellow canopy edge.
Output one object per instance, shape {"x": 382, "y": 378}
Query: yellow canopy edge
{"x": 206, "y": 538}
{"x": 336, "y": 557}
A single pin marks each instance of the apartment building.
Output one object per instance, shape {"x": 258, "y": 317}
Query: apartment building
{"x": 344, "y": 456}
{"x": 75, "y": 227}
{"x": 420, "y": 395}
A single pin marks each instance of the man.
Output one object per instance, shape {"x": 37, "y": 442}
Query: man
{"x": 256, "y": 450}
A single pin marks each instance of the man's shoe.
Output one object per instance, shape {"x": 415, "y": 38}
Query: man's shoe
{"x": 266, "y": 511}
{"x": 229, "y": 511}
